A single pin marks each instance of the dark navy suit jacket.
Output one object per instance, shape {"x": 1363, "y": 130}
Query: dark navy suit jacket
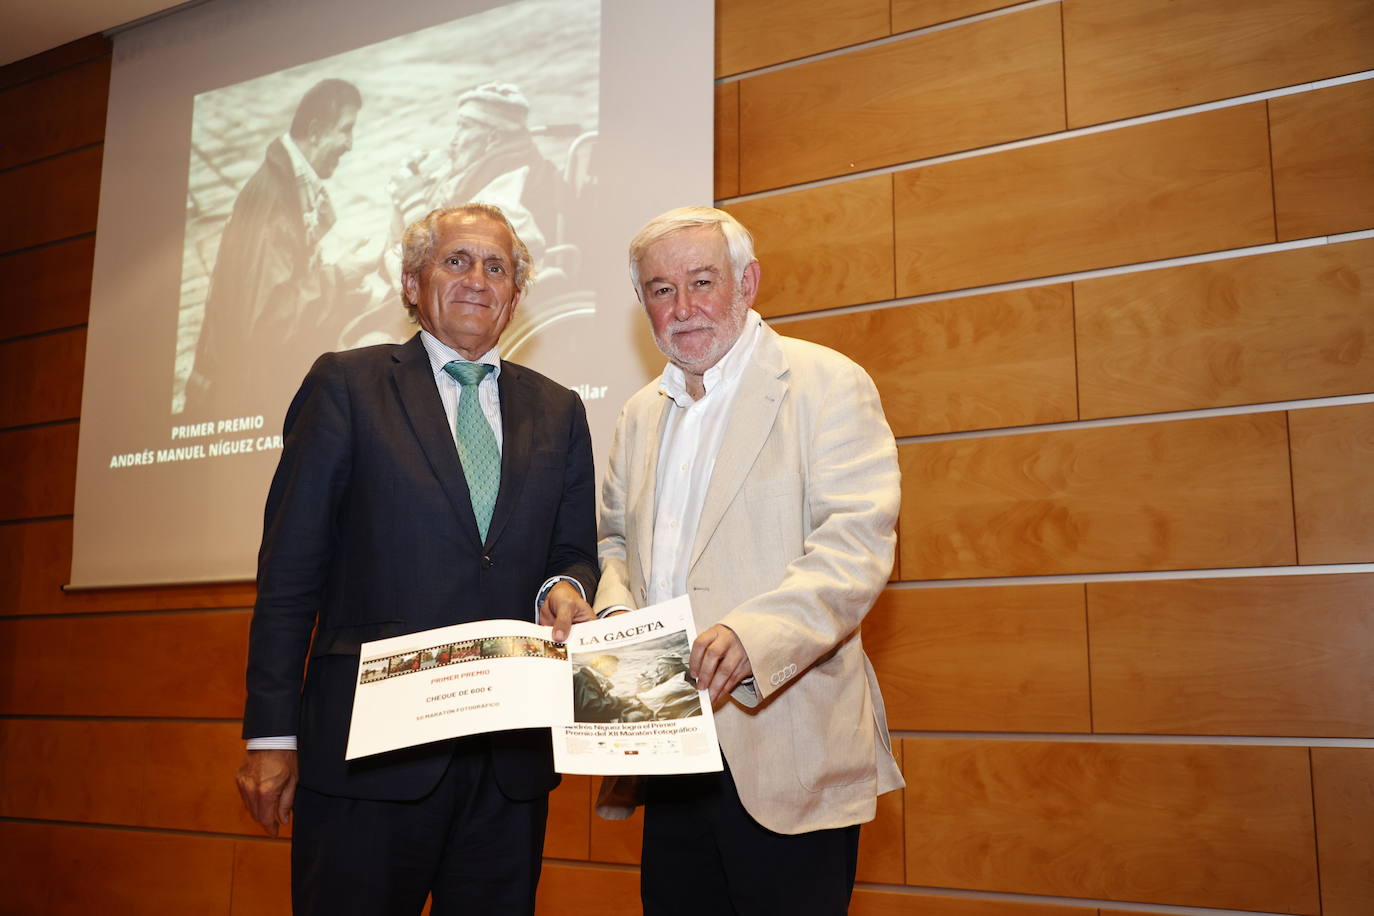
{"x": 369, "y": 532}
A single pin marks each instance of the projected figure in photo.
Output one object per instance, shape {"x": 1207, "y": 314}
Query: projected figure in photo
{"x": 272, "y": 295}
{"x": 492, "y": 158}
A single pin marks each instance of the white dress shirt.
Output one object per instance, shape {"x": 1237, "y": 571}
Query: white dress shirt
{"x": 687, "y": 455}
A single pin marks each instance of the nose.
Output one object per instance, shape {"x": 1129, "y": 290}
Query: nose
{"x": 682, "y": 306}
{"x": 475, "y": 277}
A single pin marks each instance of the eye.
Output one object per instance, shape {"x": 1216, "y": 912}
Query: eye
{"x": 702, "y": 283}
{"x": 496, "y": 268}
{"x": 661, "y": 291}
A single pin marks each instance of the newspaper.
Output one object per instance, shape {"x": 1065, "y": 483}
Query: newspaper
{"x": 617, "y": 696}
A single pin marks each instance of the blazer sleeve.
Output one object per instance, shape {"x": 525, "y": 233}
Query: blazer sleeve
{"x": 298, "y": 535}
{"x": 615, "y": 588}
{"x": 852, "y": 495}
{"x": 572, "y": 547}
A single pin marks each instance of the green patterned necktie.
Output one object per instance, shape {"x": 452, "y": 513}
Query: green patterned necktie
{"x": 476, "y": 443}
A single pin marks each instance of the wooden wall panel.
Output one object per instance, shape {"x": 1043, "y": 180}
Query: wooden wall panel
{"x": 727, "y": 140}
{"x": 1333, "y": 483}
{"x": 1187, "y": 494}
{"x": 980, "y": 362}
{"x": 915, "y": 14}
{"x": 569, "y": 890}
{"x": 27, "y": 872}
{"x": 616, "y": 841}
{"x": 128, "y": 665}
{"x": 1172, "y": 824}
{"x": 1323, "y": 160}
{"x": 982, "y": 659}
{"x": 83, "y": 870}
{"x": 1295, "y": 324}
{"x": 58, "y": 196}
{"x": 568, "y": 833}
{"x": 1129, "y": 57}
{"x": 954, "y": 89}
{"x": 46, "y": 288}
{"x": 161, "y": 774}
{"x": 40, "y": 471}
{"x": 51, "y": 61}
{"x": 262, "y": 878}
{"x": 50, "y": 116}
{"x": 1157, "y": 190}
{"x": 882, "y": 850}
{"x": 57, "y": 770}
{"x": 36, "y": 562}
{"x": 822, "y": 248}
{"x": 1343, "y": 786}
{"x": 1290, "y": 655}
{"x": 40, "y": 378}
{"x": 755, "y": 33}
{"x": 886, "y": 903}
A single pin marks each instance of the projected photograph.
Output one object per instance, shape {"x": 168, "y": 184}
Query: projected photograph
{"x": 300, "y": 184}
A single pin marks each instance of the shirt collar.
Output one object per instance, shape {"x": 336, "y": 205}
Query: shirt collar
{"x": 441, "y": 354}
{"x": 301, "y": 166}
{"x": 673, "y": 381}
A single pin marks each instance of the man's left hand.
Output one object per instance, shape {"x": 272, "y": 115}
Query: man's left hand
{"x": 562, "y": 608}
{"x": 719, "y": 661}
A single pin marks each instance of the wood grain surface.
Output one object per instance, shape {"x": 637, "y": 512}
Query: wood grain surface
{"x": 822, "y": 248}
{"x": 977, "y": 362}
{"x": 1287, "y": 655}
{"x": 1289, "y": 325}
{"x": 1333, "y": 483}
{"x": 1011, "y": 659}
{"x": 1188, "y": 825}
{"x": 955, "y": 89}
{"x": 1323, "y": 160}
{"x": 1186, "y": 494}
{"x": 1129, "y": 57}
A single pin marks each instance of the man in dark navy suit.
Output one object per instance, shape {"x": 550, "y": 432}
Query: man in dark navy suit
{"x": 420, "y": 485}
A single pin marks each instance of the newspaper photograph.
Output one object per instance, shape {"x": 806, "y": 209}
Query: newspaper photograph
{"x": 618, "y": 695}
{"x": 636, "y": 710}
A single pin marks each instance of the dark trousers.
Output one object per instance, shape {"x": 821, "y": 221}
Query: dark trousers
{"x": 703, "y": 853}
{"x": 474, "y": 849}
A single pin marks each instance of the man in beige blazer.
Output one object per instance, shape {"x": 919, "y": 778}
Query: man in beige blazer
{"x": 758, "y": 476}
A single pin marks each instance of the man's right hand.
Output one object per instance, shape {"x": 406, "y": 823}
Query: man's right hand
{"x": 267, "y": 785}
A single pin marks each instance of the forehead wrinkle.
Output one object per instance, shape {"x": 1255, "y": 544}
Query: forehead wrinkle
{"x": 705, "y": 269}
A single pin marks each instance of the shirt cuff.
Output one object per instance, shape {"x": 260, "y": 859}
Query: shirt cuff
{"x": 548, "y": 587}
{"x": 611, "y": 609}
{"x": 277, "y": 743}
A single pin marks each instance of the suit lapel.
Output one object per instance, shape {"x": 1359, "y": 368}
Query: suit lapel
{"x": 414, "y": 377}
{"x": 756, "y": 406}
{"x": 518, "y": 415}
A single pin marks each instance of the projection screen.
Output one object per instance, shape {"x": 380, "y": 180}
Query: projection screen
{"x": 260, "y": 162}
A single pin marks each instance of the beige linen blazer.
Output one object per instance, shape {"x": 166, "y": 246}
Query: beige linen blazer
{"x": 795, "y": 543}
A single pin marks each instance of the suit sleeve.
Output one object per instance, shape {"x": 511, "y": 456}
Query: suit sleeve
{"x": 297, "y": 543}
{"x": 853, "y": 493}
{"x": 572, "y": 548}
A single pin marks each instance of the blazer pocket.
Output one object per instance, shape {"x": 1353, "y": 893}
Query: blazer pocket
{"x": 832, "y": 738}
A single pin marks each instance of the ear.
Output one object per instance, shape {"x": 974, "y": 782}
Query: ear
{"x": 749, "y": 282}
{"x": 410, "y": 286}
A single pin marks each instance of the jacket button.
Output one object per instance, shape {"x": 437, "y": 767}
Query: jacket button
{"x": 486, "y": 563}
